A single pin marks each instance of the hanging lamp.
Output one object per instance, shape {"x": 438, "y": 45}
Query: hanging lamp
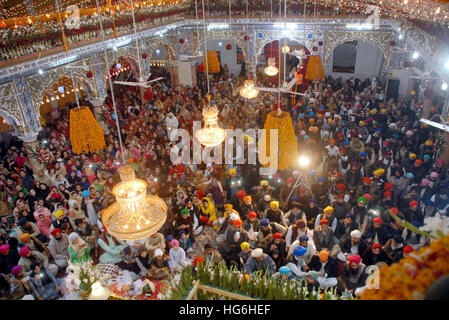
{"x": 285, "y": 48}
{"x": 135, "y": 215}
{"x": 271, "y": 70}
{"x": 248, "y": 91}
{"x": 211, "y": 135}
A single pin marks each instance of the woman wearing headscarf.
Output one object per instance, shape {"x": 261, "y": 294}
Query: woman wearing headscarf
{"x": 75, "y": 211}
{"x": 181, "y": 198}
{"x": 208, "y": 214}
{"x": 110, "y": 248}
{"x": 217, "y": 190}
{"x": 79, "y": 250}
{"x": 43, "y": 191}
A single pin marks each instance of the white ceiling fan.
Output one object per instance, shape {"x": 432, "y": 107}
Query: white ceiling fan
{"x": 286, "y": 89}
{"x": 299, "y": 53}
{"x": 84, "y": 66}
{"x": 185, "y": 57}
{"x": 440, "y": 126}
{"x": 141, "y": 83}
{"x": 422, "y": 75}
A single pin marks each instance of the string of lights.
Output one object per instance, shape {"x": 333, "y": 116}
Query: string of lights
{"x": 23, "y": 9}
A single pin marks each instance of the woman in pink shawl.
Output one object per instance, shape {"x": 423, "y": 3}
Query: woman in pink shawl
{"x": 41, "y": 210}
{"x": 43, "y": 222}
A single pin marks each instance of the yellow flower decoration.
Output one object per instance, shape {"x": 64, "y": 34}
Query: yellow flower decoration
{"x": 85, "y": 132}
{"x": 410, "y": 278}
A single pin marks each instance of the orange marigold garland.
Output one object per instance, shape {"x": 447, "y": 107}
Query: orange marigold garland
{"x": 287, "y": 143}
{"x": 315, "y": 69}
{"x": 411, "y": 277}
{"x": 85, "y": 132}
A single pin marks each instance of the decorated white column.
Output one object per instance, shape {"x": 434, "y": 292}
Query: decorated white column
{"x": 98, "y": 104}
{"x": 29, "y": 141}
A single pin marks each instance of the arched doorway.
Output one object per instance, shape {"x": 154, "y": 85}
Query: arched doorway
{"x": 124, "y": 69}
{"x": 159, "y": 61}
{"x": 229, "y": 56}
{"x": 286, "y": 63}
{"x": 61, "y": 96}
{"x": 355, "y": 58}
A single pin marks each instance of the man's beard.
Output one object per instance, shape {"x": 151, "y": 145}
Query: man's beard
{"x": 352, "y": 271}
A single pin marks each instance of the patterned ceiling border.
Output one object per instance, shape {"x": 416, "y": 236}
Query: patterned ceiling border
{"x": 236, "y": 36}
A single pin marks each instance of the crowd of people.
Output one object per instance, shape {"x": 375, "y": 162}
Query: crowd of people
{"x": 326, "y": 225}
{"x": 28, "y": 38}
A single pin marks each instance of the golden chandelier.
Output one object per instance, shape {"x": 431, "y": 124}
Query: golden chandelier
{"x": 271, "y": 70}
{"x": 211, "y": 135}
{"x": 248, "y": 91}
{"x": 135, "y": 215}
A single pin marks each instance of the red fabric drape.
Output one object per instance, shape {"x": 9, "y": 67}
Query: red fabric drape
{"x": 271, "y": 50}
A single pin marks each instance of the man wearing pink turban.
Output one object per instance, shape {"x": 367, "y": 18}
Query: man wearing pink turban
{"x": 5, "y": 261}
{"x": 353, "y": 274}
{"x": 177, "y": 259}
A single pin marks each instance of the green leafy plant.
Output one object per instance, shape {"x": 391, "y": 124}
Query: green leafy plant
{"x": 258, "y": 285}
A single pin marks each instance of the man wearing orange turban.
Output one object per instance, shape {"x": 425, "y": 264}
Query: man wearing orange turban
{"x": 247, "y": 207}
{"x": 328, "y": 277}
{"x": 234, "y": 238}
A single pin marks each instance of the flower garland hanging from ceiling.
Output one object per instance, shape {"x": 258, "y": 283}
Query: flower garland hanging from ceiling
{"x": 85, "y": 132}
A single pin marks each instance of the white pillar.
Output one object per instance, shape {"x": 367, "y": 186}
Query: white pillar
{"x": 183, "y": 73}
{"x": 29, "y": 142}
{"x": 98, "y": 104}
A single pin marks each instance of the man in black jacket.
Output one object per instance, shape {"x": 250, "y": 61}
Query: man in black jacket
{"x": 345, "y": 227}
{"x": 376, "y": 254}
{"x": 379, "y": 231}
{"x": 328, "y": 276}
{"x": 354, "y": 244}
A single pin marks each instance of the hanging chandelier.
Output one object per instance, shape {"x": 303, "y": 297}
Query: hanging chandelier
{"x": 248, "y": 91}
{"x": 135, "y": 215}
{"x": 211, "y": 135}
{"x": 271, "y": 70}
{"x": 285, "y": 49}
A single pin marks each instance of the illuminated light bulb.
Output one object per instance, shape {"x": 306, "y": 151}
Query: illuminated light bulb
{"x": 52, "y": 99}
{"x": 98, "y": 292}
{"x": 48, "y": 100}
{"x": 446, "y": 65}
{"x": 57, "y": 97}
{"x": 135, "y": 215}
{"x": 285, "y": 49}
{"x": 211, "y": 135}
{"x": 303, "y": 161}
{"x": 438, "y": 10}
{"x": 444, "y": 86}
{"x": 271, "y": 70}
{"x": 248, "y": 91}
{"x": 415, "y": 55}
